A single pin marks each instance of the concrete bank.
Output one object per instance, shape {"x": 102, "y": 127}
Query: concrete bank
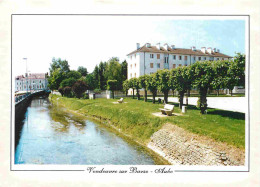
{"x": 180, "y": 147}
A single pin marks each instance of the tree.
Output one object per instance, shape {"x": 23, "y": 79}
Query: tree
{"x": 182, "y": 82}
{"x": 61, "y": 91}
{"x": 171, "y": 82}
{"x": 143, "y": 83}
{"x": 101, "y": 72}
{"x": 126, "y": 86}
{"x": 163, "y": 83}
{"x": 74, "y": 74}
{"x": 79, "y": 88}
{"x": 219, "y": 80}
{"x": 124, "y": 70}
{"x": 111, "y": 85}
{"x": 67, "y": 91}
{"x": 96, "y": 77}
{"x": 152, "y": 83}
{"x": 83, "y": 71}
{"x": 113, "y": 72}
{"x": 89, "y": 80}
{"x": 203, "y": 76}
{"x": 55, "y": 79}
{"x": 68, "y": 82}
{"x": 131, "y": 85}
{"x": 59, "y": 64}
{"x": 136, "y": 85}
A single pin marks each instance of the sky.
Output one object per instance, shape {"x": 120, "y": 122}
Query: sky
{"x": 88, "y": 40}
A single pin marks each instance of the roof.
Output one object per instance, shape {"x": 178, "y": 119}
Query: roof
{"x": 154, "y": 49}
{"x": 32, "y": 76}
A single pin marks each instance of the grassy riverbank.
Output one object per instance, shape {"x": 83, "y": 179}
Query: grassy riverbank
{"x": 134, "y": 118}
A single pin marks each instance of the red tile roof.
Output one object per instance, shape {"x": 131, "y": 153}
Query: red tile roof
{"x": 154, "y": 49}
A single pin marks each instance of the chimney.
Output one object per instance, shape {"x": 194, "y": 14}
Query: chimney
{"x": 137, "y": 45}
{"x": 165, "y": 46}
{"x": 158, "y": 46}
{"x": 148, "y": 45}
{"x": 214, "y": 50}
{"x": 173, "y": 46}
{"x": 209, "y": 50}
{"x": 203, "y": 49}
{"x": 217, "y": 50}
{"x": 193, "y": 48}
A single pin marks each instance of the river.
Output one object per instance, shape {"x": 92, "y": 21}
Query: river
{"x": 50, "y": 135}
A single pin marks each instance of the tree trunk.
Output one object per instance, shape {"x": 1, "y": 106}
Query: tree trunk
{"x": 181, "y": 95}
{"x": 172, "y": 93}
{"x": 126, "y": 93}
{"x": 145, "y": 95}
{"x": 165, "y": 97}
{"x": 231, "y": 92}
{"x": 137, "y": 93}
{"x": 187, "y": 100}
{"x": 203, "y": 100}
{"x": 133, "y": 93}
{"x": 217, "y": 92}
{"x": 188, "y": 93}
{"x": 113, "y": 94}
{"x": 154, "y": 94}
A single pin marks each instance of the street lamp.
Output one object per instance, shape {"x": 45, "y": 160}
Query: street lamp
{"x": 26, "y": 76}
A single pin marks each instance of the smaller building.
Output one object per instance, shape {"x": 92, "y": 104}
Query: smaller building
{"x": 32, "y": 82}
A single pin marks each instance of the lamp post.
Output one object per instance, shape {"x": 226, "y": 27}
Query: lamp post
{"x": 26, "y": 76}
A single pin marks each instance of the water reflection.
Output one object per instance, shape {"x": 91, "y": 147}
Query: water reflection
{"x": 50, "y": 135}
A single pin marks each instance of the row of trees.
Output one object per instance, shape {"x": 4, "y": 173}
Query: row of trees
{"x": 200, "y": 75}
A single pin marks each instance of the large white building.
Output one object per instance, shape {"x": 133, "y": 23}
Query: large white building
{"x": 35, "y": 81}
{"x": 148, "y": 59}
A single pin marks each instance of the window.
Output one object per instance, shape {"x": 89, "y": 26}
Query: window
{"x": 131, "y": 57}
{"x": 166, "y": 59}
{"x": 158, "y": 56}
{"x": 135, "y": 65}
{"x": 179, "y": 65}
{"x": 174, "y": 66}
{"x": 158, "y": 65}
{"x": 185, "y": 58}
{"x": 217, "y": 58}
{"x": 131, "y": 66}
{"x": 194, "y": 58}
{"x": 17, "y": 88}
{"x": 135, "y": 55}
{"x": 222, "y": 58}
{"x": 151, "y": 55}
{"x": 205, "y": 58}
{"x": 174, "y": 57}
{"x": 130, "y": 75}
{"x": 40, "y": 81}
{"x": 151, "y": 65}
{"x": 199, "y": 58}
{"x": 151, "y": 73}
{"x": 135, "y": 74}
{"x": 180, "y": 57}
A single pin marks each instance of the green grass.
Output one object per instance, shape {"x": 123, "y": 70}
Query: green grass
{"x": 135, "y": 119}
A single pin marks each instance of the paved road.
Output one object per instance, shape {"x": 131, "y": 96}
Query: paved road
{"x": 236, "y": 104}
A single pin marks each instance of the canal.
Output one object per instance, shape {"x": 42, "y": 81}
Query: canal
{"x": 50, "y": 135}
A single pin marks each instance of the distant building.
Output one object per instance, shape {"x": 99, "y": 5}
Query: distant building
{"x": 148, "y": 59}
{"x": 34, "y": 81}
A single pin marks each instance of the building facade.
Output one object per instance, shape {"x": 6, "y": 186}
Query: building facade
{"x": 148, "y": 59}
{"x": 34, "y": 81}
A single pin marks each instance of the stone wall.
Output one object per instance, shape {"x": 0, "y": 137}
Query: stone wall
{"x": 180, "y": 147}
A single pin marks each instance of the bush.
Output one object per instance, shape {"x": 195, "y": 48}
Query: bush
{"x": 85, "y": 96}
{"x": 79, "y": 88}
{"x": 67, "y": 91}
{"x": 61, "y": 91}
{"x": 97, "y": 91}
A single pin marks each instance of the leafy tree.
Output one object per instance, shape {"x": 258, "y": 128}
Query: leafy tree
{"x": 126, "y": 86}
{"x": 136, "y": 85}
{"x": 163, "y": 83}
{"x": 89, "y": 80}
{"x": 83, "y": 71}
{"x": 59, "y": 64}
{"x": 68, "y": 82}
{"x": 113, "y": 72}
{"x": 182, "y": 82}
{"x": 152, "y": 83}
{"x": 203, "y": 77}
{"x": 74, "y": 74}
{"x": 172, "y": 78}
{"x": 61, "y": 91}
{"x": 131, "y": 85}
{"x": 96, "y": 77}
{"x": 55, "y": 79}
{"x": 112, "y": 85}
{"x": 67, "y": 91}
{"x": 219, "y": 80}
{"x": 79, "y": 88}
{"x": 124, "y": 70}
{"x": 101, "y": 73}
{"x": 143, "y": 83}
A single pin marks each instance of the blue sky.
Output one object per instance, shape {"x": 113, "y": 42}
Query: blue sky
{"x": 87, "y": 40}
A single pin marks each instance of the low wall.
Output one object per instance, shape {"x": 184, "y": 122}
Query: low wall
{"x": 183, "y": 148}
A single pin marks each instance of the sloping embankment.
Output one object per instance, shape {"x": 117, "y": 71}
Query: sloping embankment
{"x": 180, "y": 147}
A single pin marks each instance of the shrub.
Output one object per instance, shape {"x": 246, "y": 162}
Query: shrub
{"x": 79, "y": 88}
{"x": 67, "y": 91}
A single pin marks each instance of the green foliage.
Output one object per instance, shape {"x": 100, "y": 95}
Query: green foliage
{"x": 126, "y": 86}
{"x": 112, "y": 85}
{"x": 83, "y": 71}
{"x": 163, "y": 83}
{"x": 143, "y": 83}
{"x": 74, "y": 74}
{"x": 89, "y": 80}
{"x": 152, "y": 83}
{"x": 113, "y": 72}
{"x": 79, "y": 88}
{"x": 59, "y": 64}
{"x": 55, "y": 79}
{"x": 61, "y": 91}
{"x": 68, "y": 82}
{"x": 67, "y": 91}
{"x": 221, "y": 69}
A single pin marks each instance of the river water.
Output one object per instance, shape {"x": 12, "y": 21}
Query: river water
{"x": 50, "y": 135}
